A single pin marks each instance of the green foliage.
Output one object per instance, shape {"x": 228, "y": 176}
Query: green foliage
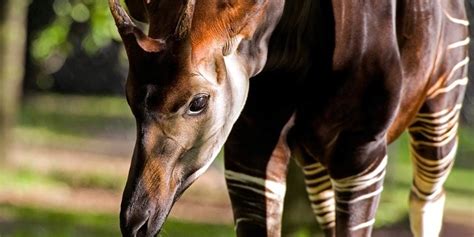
{"x": 25, "y": 179}
{"x": 53, "y": 40}
{"x": 36, "y": 221}
{"x": 60, "y": 120}
{"x": 28, "y": 221}
{"x": 89, "y": 180}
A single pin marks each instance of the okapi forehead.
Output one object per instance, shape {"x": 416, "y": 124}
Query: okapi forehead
{"x": 212, "y": 20}
{"x": 219, "y": 19}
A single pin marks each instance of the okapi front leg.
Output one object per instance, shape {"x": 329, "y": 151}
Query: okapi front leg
{"x": 357, "y": 196}
{"x": 256, "y": 175}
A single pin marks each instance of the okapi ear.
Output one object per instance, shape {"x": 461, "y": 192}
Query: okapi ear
{"x": 185, "y": 20}
{"x": 245, "y": 12}
{"x": 132, "y": 36}
{"x": 137, "y": 10}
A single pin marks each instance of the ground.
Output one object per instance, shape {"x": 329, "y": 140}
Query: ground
{"x": 195, "y": 206}
{"x": 69, "y": 165}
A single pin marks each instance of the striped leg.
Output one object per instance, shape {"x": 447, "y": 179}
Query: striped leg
{"x": 357, "y": 198}
{"x": 433, "y": 135}
{"x": 433, "y": 147}
{"x": 257, "y": 156}
{"x": 256, "y": 174}
{"x": 320, "y": 193}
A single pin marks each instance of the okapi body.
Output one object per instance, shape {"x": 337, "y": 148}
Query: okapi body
{"x": 330, "y": 83}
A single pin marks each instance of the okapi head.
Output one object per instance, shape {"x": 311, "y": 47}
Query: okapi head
{"x": 187, "y": 85}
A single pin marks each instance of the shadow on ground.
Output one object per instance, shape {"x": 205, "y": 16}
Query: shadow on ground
{"x": 450, "y": 229}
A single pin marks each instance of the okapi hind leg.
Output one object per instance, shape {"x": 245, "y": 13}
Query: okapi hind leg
{"x": 433, "y": 133}
{"x": 320, "y": 192}
{"x": 433, "y": 145}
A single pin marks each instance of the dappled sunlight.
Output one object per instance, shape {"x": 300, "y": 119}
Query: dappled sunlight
{"x": 66, "y": 148}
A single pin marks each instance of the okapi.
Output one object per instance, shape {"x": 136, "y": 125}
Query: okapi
{"x": 332, "y": 84}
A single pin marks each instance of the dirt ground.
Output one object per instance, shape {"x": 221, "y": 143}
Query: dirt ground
{"x": 450, "y": 229}
{"x": 195, "y": 205}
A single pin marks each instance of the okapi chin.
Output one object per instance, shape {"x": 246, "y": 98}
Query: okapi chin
{"x": 329, "y": 83}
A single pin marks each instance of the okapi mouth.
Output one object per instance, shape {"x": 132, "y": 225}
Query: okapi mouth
{"x": 149, "y": 227}
{"x": 142, "y": 214}
{"x": 143, "y": 229}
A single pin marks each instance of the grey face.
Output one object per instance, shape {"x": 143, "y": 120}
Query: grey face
{"x": 186, "y": 92}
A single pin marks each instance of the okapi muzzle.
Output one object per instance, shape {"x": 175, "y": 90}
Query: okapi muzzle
{"x": 157, "y": 177}
{"x": 187, "y": 84}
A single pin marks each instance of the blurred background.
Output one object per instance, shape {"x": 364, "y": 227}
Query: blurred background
{"x": 66, "y": 137}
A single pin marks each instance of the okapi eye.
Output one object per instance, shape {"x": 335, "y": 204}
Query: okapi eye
{"x": 198, "y": 104}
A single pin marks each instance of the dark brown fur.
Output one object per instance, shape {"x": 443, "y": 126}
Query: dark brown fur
{"x": 343, "y": 80}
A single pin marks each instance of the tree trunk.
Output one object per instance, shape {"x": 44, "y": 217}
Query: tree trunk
{"x": 13, "y": 15}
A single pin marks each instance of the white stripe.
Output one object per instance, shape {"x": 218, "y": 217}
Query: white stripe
{"x": 315, "y": 171}
{"x": 429, "y": 162}
{"x": 322, "y": 195}
{"x": 312, "y": 166}
{"x": 368, "y": 176}
{"x": 432, "y": 185}
{"x": 357, "y": 186}
{"x": 256, "y": 190}
{"x": 238, "y": 220}
{"x": 325, "y": 206}
{"x": 323, "y": 209}
{"x": 459, "y": 43}
{"x": 278, "y": 189}
{"x": 342, "y": 210}
{"x": 319, "y": 188}
{"x": 427, "y": 182}
{"x": 425, "y": 197}
{"x": 437, "y": 130}
{"x": 456, "y": 20}
{"x": 441, "y": 120}
{"x": 363, "y": 225}
{"x": 450, "y": 137}
{"x": 326, "y": 219}
{"x": 363, "y": 197}
{"x": 458, "y": 82}
{"x": 433, "y": 176}
{"x": 464, "y": 62}
{"x": 253, "y": 219}
{"x": 440, "y": 136}
{"x": 318, "y": 180}
{"x": 361, "y": 181}
{"x": 440, "y": 113}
